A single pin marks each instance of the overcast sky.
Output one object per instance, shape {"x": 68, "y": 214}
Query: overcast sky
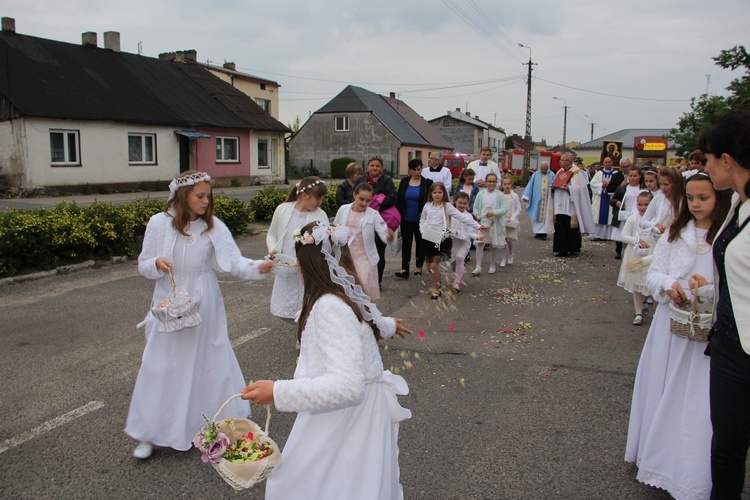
{"x": 625, "y": 64}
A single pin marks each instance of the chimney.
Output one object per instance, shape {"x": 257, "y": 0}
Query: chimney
{"x": 9, "y": 24}
{"x": 230, "y": 65}
{"x": 393, "y": 95}
{"x": 458, "y": 110}
{"x": 191, "y": 55}
{"x": 112, "y": 40}
{"x": 88, "y": 38}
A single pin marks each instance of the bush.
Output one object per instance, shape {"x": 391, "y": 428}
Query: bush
{"x": 265, "y": 202}
{"x": 42, "y": 239}
{"x": 233, "y": 212}
{"x": 338, "y": 166}
{"x": 329, "y": 201}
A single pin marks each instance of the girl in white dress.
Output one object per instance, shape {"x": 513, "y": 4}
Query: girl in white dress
{"x": 490, "y": 208}
{"x": 302, "y": 206}
{"x": 665, "y": 205}
{"x": 634, "y": 281}
{"x": 193, "y": 369}
{"x": 669, "y": 435}
{"x": 437, "y": 215}
{"x": 512, "y": 223}
{"x": 462, "y": 236}
{"x": 365, "y": 224}
{"x": 344, "y": 441}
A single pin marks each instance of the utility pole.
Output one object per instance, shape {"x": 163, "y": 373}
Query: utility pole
{"x": 527, "y": 148}
{"x": 592, "y": 126}
{"x": 565, "y": 120}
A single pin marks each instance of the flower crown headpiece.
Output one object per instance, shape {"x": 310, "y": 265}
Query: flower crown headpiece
{"x": 331, "y": 237}
{"x": 188, "y": 180}
{"x": 309, "y": 186}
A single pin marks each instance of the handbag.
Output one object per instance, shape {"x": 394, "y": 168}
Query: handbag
{"x": 686, "y": 321}
{"x": 179, "y": 311}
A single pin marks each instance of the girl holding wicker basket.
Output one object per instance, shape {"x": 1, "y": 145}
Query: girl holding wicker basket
{"x": 344, "y": 440}
{"x": 669, "y": 435}
{"x": 182, "y": 249}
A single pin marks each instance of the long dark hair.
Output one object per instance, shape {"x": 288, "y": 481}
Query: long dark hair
{"x": 730, "y": 135}
{"x": 177, "y": 207}
{"x": 306, "y": 186}
{"x": 317, "y": 279}
{"x": 678, "y": 187}
{"x": 721, "y": 209}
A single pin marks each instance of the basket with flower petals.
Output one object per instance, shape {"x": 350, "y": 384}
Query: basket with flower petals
{"x": 239, "y": 450}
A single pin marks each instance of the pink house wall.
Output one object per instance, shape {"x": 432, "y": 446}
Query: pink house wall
{"x": 205, "y": 153}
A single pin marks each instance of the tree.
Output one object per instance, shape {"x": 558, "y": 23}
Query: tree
{"x": 706, "y": 109}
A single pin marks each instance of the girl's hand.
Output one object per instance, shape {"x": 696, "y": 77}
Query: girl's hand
{"x": 391, "y": 234}
{"x": 660, "y": 227}
{"x": 265, "y": 267}
{"x": 163, "y": 264}
{"x": 643, "y": 244}
{"x": 677, "y": 294}
{"x": 401, "y": 330}
{"x": 490, "y": 214}
{"x": 485, "y": 229}
{"x": 271, "y": 255}
{"x": 260, "y": 392}
{"x": 697, "y": 280}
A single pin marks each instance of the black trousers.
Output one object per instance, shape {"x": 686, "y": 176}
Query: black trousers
{"x": 381, "y": 261}
{"x": 567, "y": 239}
{"x": 410, "y": 232}
{"x": 730, "y": 416}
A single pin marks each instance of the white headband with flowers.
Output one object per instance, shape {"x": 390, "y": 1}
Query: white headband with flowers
{"x": 188, "y": 180}
{"x": 331, "y": 237}
{"x": 309, "y": 186}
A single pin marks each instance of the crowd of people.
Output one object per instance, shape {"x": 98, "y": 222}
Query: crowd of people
{"x": 680, "y": 237}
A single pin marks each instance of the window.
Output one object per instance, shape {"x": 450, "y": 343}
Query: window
{"x": 64, "y": 147}
{"x": 341, "y": 124}
{"x": 262, "y": 152}
{"x": 142, "y": 148}
{"x": 479, "y": 143}
{"x": 264, "y": 103}
{"x": 446, "y": 123}
{"x": 227, "y": 149}
{"x": 262, "y": 86}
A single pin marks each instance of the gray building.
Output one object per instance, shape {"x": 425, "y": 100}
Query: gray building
{"x": 468, "y": 135}
{"x": 359, "y": 123}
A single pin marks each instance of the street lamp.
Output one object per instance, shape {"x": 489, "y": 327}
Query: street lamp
{"x": 565, "y": 120}
{"x": 592, "y": 126}
{"x": 527, "y": 148}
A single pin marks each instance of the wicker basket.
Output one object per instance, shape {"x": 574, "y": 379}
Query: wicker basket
{"x": 688, "y": 321}
{"x": 178, "y": 311}
{"x": 243, "y": 476}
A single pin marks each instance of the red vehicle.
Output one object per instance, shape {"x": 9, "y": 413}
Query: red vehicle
{"x": 456, "y": 163}
{"x": 513, "y": 161}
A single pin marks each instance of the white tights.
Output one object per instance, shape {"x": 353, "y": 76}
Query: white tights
{"x": 639, "y": 302}
{"x": 480, "y": 251}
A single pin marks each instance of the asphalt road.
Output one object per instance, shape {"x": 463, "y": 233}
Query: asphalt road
{"x": 521, "y": 388}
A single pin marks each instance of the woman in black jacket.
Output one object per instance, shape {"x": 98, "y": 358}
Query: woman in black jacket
{"x": 411, "y": 197}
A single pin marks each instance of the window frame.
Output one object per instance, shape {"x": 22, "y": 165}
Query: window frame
{"x": 266, "y": 151}
{"x": 265, "y": 104}
{"x": 143, "y": 136}
{"x": 220, "y": 145}
{"x": 345, "y": 123}
{"x": 66, "y": 143}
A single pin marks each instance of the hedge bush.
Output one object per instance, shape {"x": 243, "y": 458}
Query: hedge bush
{"x": 41, "y": 239}
{"x": 338, "y": 166}
{"x": 265, "y": 202}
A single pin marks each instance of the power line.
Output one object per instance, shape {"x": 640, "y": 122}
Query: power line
{"x": 611, "y": 95}
{"x": 513, "y": 46}
{"x": 467, "y": 18}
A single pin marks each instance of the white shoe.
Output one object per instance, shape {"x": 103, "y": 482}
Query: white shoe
{"x": 510, "y": 260}
{"x": 502, "y": 263}
{"x": 492, "y": 270}
{"x": 143, "y": 450}
{"x": 477, "y": 271}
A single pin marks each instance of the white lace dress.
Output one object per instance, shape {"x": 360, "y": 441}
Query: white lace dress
{"x": 344, "y": 441}
{"x": 669, "y": 435}
{"x": 286, "y": 297}
{"x": 191, "y": 371}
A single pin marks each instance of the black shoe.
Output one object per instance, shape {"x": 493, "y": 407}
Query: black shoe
{"x": 417, "y": 273}
{"x": 543, "y": 237}
{"x": 468, "y": 258}
{"x": 403, "y": 275}
{"x": 618, "y": 257}
{"x": 562, "y": 254}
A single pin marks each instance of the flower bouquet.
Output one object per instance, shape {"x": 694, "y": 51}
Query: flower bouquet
{"x": 239, "y": 450}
